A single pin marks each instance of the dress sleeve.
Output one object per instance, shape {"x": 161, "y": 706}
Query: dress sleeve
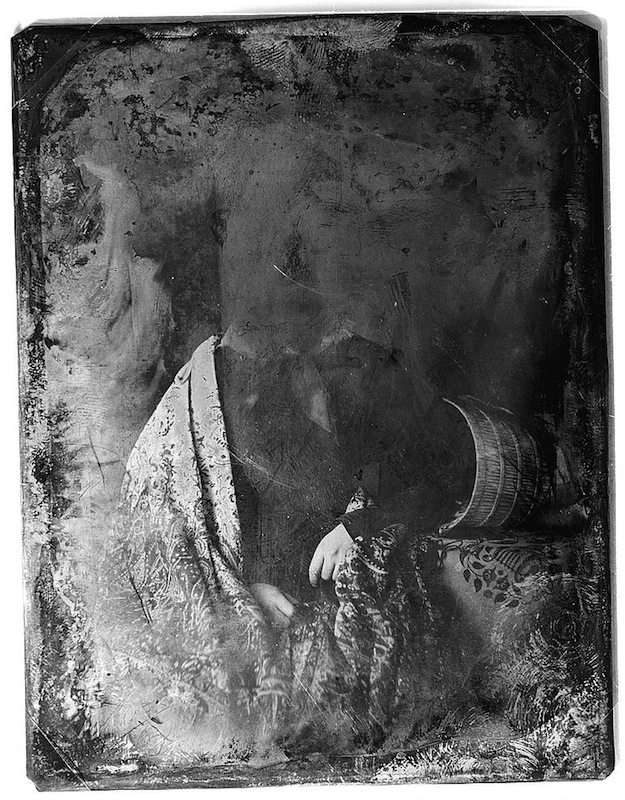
{"x": 422, "y": 507}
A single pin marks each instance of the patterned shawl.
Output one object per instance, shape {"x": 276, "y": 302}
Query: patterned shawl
{"x": 189, "y": 669}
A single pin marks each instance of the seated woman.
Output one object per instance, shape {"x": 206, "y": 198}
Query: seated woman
{"x": 307, "y": 432}
{"x": 268, "y": 589}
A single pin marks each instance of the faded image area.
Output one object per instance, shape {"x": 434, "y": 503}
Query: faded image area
{"x": 314, "y": 401}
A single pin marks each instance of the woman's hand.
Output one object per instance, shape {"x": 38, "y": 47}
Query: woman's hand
{"x": 278, "y": 606}
{"x": 329, "y": 555}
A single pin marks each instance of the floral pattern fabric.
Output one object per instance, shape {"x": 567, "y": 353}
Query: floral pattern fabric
{"x": 191, "y": 668}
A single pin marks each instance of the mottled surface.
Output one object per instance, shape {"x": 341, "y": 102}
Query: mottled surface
{"x": 431, "y": 183}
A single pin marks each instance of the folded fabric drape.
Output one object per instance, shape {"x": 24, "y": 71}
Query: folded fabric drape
{"x": 189, "y": 667}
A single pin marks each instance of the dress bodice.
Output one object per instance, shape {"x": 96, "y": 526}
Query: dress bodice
{"x": 304, "y": 431}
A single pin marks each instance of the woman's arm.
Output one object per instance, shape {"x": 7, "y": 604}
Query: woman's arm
{"x": 423, "y": 508}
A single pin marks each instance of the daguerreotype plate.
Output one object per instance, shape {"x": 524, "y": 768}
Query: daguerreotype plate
{"x": 314, "y": 400}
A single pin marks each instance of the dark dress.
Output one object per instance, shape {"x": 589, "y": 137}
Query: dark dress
{"x": 190, "y": 663}
{"x": 305, "y": 432}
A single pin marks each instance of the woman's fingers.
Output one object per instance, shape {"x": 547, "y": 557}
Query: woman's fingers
{"x": 315, "y": 567}
{"x": 281, "y": 609}
{"x": 283, "y": 605}
{"x": 275, "y": 603}
{"x": 328, "y": 568}
{"x": 329, "y": 555}
{"x": 292, "y": 599}
{"x": 335, "y": 572}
